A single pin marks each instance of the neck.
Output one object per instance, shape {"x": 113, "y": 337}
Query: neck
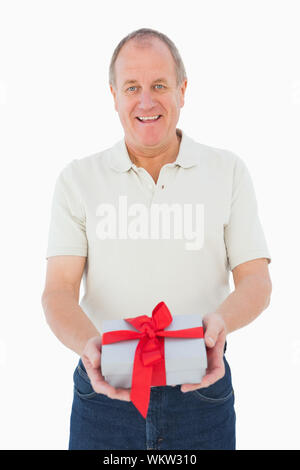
{"x": 152, "y": 161}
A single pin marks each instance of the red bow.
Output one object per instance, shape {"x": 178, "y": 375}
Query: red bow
{"x": 149, "y": 360}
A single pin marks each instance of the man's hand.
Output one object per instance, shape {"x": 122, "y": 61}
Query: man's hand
{"x": 214, "y": 337}
{"x": 91, "y": 358}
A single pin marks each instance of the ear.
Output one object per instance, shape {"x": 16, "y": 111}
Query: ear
{"x": 182, "y": 92}
{"x": 114, "y": 93}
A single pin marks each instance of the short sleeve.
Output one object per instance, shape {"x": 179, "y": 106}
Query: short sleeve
{"x": 67, "y": 228}
{"x": 243, "y": 235}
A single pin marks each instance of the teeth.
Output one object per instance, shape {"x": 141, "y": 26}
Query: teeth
{"x": 148, "y": 117}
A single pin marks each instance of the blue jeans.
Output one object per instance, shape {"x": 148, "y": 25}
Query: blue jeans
{"x": 202, "y": 419}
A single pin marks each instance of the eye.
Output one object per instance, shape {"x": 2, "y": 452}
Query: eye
{"x": 130, "y": 88}
{"x": 160, "y": 86}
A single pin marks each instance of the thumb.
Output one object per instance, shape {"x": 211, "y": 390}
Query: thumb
{"x": 93, "y": 353}
{"x": 211, "y": 335}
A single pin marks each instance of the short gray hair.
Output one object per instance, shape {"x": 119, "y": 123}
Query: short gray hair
{"x": 143, "y": 35}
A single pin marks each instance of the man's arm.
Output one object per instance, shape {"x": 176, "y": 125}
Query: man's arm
{"x": 70, "y": 324}
{"x": 251, "y": 296}
{"x": 60, "y": 302}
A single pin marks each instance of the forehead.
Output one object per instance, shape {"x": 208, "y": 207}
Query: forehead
{"x": 138, "y": 60}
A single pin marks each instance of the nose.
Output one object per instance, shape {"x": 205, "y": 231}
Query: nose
{"x": 146, "y": 100}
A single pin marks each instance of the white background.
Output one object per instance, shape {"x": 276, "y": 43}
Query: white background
{"x": 242, "y": 62}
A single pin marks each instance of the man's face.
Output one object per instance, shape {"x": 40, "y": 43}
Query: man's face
{"x": 146, "y": 87}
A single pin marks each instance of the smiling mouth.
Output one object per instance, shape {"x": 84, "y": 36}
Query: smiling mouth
{"x": 149, "y": 121}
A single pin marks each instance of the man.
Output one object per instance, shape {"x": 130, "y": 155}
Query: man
{"x": 127, "y": 271}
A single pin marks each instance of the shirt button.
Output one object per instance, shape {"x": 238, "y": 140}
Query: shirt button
{"x": 162, "y": 186}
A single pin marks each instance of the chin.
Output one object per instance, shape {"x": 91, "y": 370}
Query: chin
{"x": 150, "y": 142}
{"x": 150, "y": 139}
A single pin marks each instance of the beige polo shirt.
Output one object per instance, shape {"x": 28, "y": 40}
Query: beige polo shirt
{"x": 175, "y": 241}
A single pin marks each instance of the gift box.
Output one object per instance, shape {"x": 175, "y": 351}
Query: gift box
{"x": 144, "y": 351}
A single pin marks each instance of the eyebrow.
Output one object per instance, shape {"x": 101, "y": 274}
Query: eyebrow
{"x": 127, "y": 82}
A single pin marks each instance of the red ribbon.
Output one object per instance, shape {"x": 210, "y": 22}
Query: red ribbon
{"x": 149, "y": 361}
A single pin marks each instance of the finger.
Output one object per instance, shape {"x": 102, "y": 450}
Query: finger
{"x": 208, "y": 380}
{"x": 215, "y": 355}
{"x": 212, "y": 376}
{"x": 112, "y": 392}
{"x": 94, "y": 374}
{"x": 211, "y": 334}
{"x": 100, "y": 385}
{"x": 220, "y": 343}
{"x": 213, "y": 330}
{"x": 121, "y": 394}
{"x": 92, "y": 361}
{"x": 92, "y": 353}
{"x": 189, "y": 387}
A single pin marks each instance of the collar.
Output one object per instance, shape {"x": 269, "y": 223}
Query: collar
{"x": 187, "y": 156}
